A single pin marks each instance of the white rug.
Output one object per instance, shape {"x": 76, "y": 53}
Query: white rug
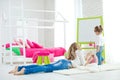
{"x": 85, "y": 75}
{"x": 89, "y": 69}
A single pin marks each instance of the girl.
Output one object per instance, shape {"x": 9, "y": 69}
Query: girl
{"x": 91, "y": 58}
{"x": 99, "y": 43}
{"x": 73, "y": 60}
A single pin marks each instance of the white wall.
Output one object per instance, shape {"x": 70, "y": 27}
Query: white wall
{"x": 92, "y": 8}
{"x": 33, "y": 34}
{"x": 78, "y": 8}
{"x": 5, "y": 33}
{"x": 73, "y": 9}
{"x": 66, "y": 7}
{"x": 0, "y": 16}
{"x": 15, "y": 10}
{"x": 112, "y": 30}
{"x": 44, "y": 37}
{"x": 49, "y": 33}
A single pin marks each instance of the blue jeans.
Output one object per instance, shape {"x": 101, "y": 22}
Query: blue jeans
{"x": 99, "y": 55}
{"x": 59, "y": 65}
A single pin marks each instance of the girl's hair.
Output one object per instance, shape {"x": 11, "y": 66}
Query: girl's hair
{"x": 98, "y": 29}
{"x": 71, "y": 51}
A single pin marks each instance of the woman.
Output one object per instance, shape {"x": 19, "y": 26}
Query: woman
{"x": 74, "y": 59}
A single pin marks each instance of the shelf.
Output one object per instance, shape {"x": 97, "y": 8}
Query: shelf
{"x": 89, "y": 48}
{"x": 86, "y": 42}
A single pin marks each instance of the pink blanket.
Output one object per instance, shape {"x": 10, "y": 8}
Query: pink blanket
{"x": 59, "y": 51}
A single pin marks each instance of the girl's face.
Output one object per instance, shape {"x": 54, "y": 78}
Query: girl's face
{"x": 97, "y": 33}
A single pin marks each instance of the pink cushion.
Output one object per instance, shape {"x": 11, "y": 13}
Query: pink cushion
{"x": 37, "y": 45}
{"x": 30, "y": 43}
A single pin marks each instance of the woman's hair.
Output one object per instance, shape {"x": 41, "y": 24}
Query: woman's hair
{"x": 98, "y": 29}
{"x": 71, "y": 51}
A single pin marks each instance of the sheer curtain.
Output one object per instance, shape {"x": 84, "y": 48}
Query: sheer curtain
{"x": 71, "y": 10}
{"x": 78, "y": 8}
{"x": 67, "y": 9}
{"x": 112, "y": 30}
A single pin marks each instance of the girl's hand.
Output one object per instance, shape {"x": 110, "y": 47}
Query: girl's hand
{"x": 97, "y": 51}
{"x": 98, "y": 48}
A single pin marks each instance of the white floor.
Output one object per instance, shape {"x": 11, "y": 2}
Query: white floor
{"x": 107, "y": 75}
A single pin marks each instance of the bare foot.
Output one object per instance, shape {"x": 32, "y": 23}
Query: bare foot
{"x": 20, "y": 72}
{"x": 14, "y": 70}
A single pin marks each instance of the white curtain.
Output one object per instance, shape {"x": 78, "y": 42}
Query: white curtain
{"x": 67, "y": 9}
{"x": 112, "y": 30}
{"x": 71, "y": 10}
{"x": 78, "y": 8}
